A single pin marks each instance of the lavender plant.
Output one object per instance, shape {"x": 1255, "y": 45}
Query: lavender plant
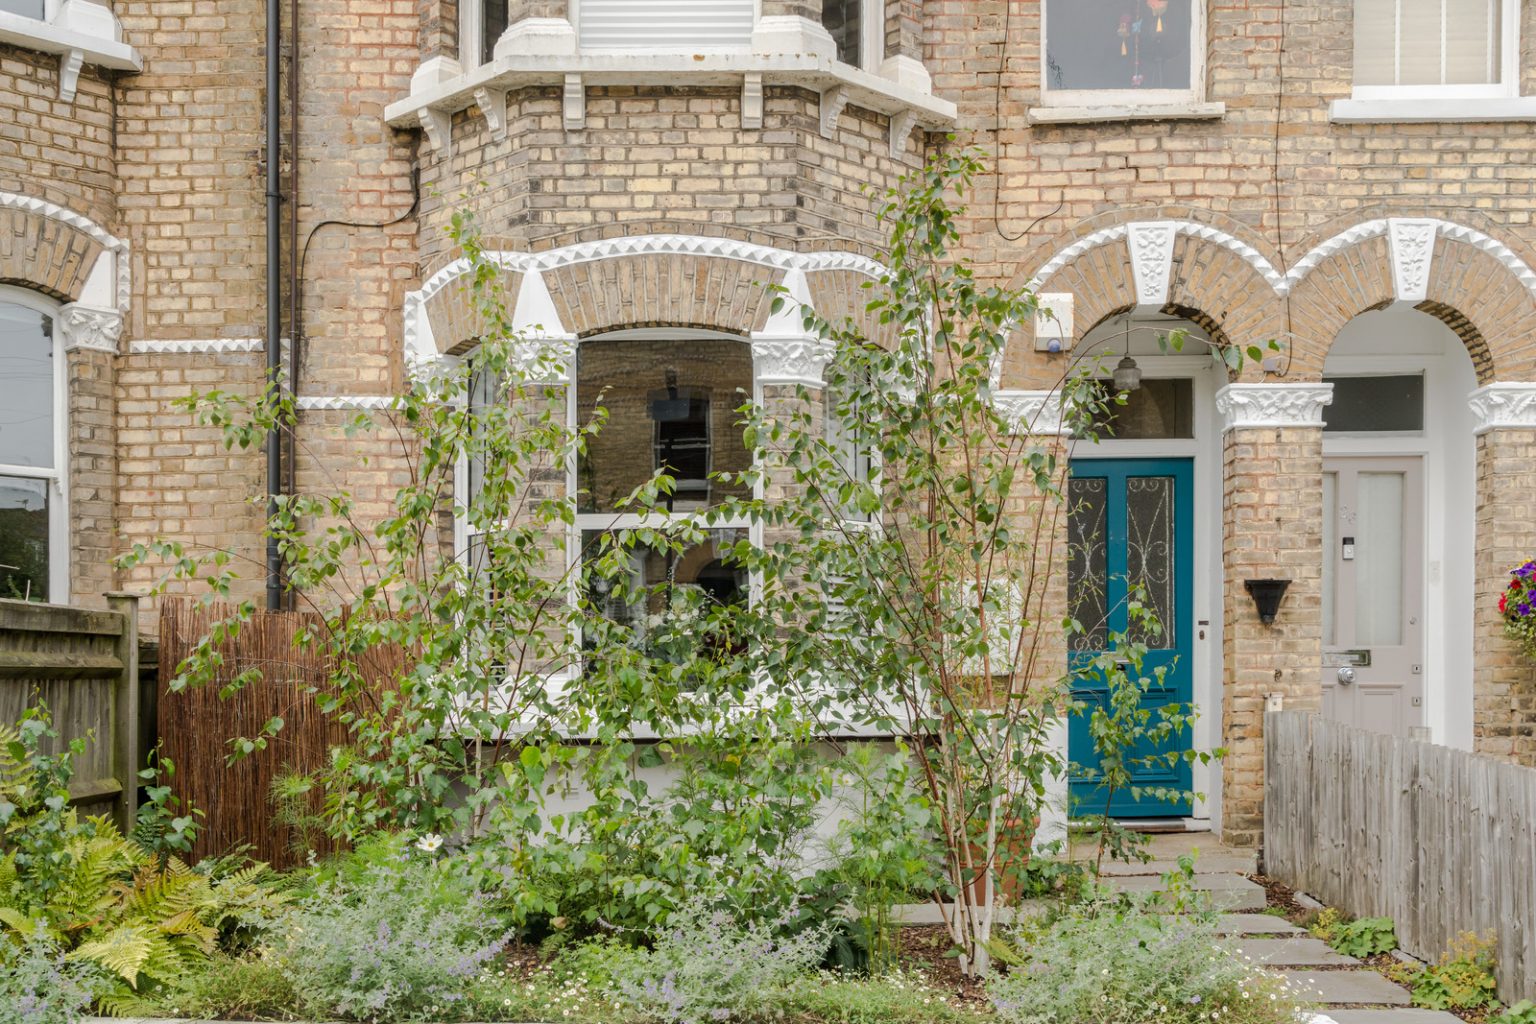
{"x": 39, "y": 986}
{"x": 387, "y": 948}
{"x": 1118, "y": 962}
{"x": 707, "y": 966}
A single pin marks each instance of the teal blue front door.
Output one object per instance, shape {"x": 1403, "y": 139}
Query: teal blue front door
{"x": 1130, "y": 524}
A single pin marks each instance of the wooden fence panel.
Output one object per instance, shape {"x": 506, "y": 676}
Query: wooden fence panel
{"x": 84, "y": 665}
{"x": 197, "y": 724}
{"x": 1440, "y": 840}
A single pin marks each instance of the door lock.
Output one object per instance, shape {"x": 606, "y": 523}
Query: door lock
{"x": 1346, "y": 675}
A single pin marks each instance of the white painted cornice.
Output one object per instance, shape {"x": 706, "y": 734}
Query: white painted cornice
{"x": 196, "y": 346}
{"x": 1273, "y": 405}
{"x": 1504, "y": 405}
{"x": 790, "y": 360}
{"x": 81, "y": 32}
{"x": 327, "y": 403}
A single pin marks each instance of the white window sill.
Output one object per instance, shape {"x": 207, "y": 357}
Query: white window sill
{"x": 1190, "y": 111}
{"x": 431, "y": 104}
{"x": 1406, "y": 111}
{"x": 82, "y": 32}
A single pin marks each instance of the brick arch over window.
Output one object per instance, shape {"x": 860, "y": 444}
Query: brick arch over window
{"x": 662, "y": 289}
{"x": 46, "y": 253}
{"x": 1188, "y": 268}
{"x": 590, "y": 287}
{"x": 1478, "y": 287}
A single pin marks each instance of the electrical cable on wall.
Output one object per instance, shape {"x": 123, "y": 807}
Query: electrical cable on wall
{"x": 997, "y": 132}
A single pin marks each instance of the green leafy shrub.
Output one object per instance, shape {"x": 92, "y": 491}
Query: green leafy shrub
{"x": 1462, "y": 980}
{"x": 146, "y": 919}
{"x": 1364, "y": 937}
{"x": 39, "y": 986}
{"x": 1125, "y": 963}
{"x": 252, "y": 987}
{"x": 1523, "y": 1012}
{"x": 402, "y": 942}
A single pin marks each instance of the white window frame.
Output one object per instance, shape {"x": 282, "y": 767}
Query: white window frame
{"x": 1509, "y": 67}
{"x": 574, "y": 14}
{"x": 1091, "y": 98}
{"x": 57, "y": 476}
{"x": 871, "y": 36}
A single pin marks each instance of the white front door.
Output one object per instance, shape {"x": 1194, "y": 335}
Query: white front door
{"x": 1373, "y": 592}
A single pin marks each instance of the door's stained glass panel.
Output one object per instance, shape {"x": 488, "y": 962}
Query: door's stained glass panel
{"x": 1149, "y": 508}
{"x": 1088, "y": 561}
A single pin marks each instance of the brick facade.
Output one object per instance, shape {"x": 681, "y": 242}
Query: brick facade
{"x": 1273, "y": 202}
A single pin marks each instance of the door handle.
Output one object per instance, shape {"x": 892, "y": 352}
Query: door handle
{"x": 1346, "y": 675}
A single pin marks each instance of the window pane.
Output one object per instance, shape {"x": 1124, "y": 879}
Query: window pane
{"x": 26, "y": 387}
{"x": 1379, "y": 561}
{"x": 23, "y": 538}
{"x": 1427, "y": 42}
{"x": 1088, "y": 561}
{"x": 1117, "y": 44}
{"x": 1150, "y": 554}
{"x": 843, "y": 20}
{"x": 493, "y": 22}
{"x": 483, "y": 390}
{"x": 1159, "y": 409}
{"x": 1373, "y": 404}
{"x": 25, "y": 8}
{"x": 671, "y": 405}
{"x": 667, "y": 591}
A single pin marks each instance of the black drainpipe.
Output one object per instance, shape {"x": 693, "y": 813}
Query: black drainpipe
{"x": 274, "y": 293}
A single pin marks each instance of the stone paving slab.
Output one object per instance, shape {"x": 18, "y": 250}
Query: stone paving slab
{"x": 1226, "y": 892}
{"x": 1296, "y": 951}
{"x": 1402, "y": 1015}
{"x": 1347, "y": 987}
{"x": 1255, "y": 924}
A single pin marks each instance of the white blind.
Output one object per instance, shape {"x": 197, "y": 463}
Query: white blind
{"x": 1427, "y": 42}
{"x": 672, "y": 24}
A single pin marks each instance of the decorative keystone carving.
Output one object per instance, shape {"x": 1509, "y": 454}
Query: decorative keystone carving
{"x": 1412, "y": 243}
{"x": 1273, "y": 405}
{"x": 85, "y": 327}
{"x": 1151, "y": 244}
{"x": 1504, "y": 405}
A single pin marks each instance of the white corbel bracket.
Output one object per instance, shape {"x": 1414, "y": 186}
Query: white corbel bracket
{"x": 493, "y": 105}
{"x": 574, "y": 106}
{"x": 833, "y": 101}
{"x": 438, "y": 125}
{"x": 752, "y": 101}
{"x": 70, "y": 63}
{"x": 902, "y": 124}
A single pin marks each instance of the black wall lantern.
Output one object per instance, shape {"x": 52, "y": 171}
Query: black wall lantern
{"x": 1266, "y": 596}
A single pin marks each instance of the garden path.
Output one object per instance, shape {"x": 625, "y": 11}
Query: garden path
{"x": 1345, "y": 990}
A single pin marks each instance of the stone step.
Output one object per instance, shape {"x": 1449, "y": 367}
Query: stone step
{"x": 1226, "y": 892}
{"x": 1332, "y": 987}
{"x": 1403, "y": 1015}
{"x": 1296, "y": 951}
{"x": 1255, "y": 924}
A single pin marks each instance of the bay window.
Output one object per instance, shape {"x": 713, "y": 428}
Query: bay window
{"x": 33, "y": 561}
{"x": 481, "y": 23}
{"x": 25, "y": 8}
{"x": 1102, "y": 52}
{"x": 1436, "y": 48}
